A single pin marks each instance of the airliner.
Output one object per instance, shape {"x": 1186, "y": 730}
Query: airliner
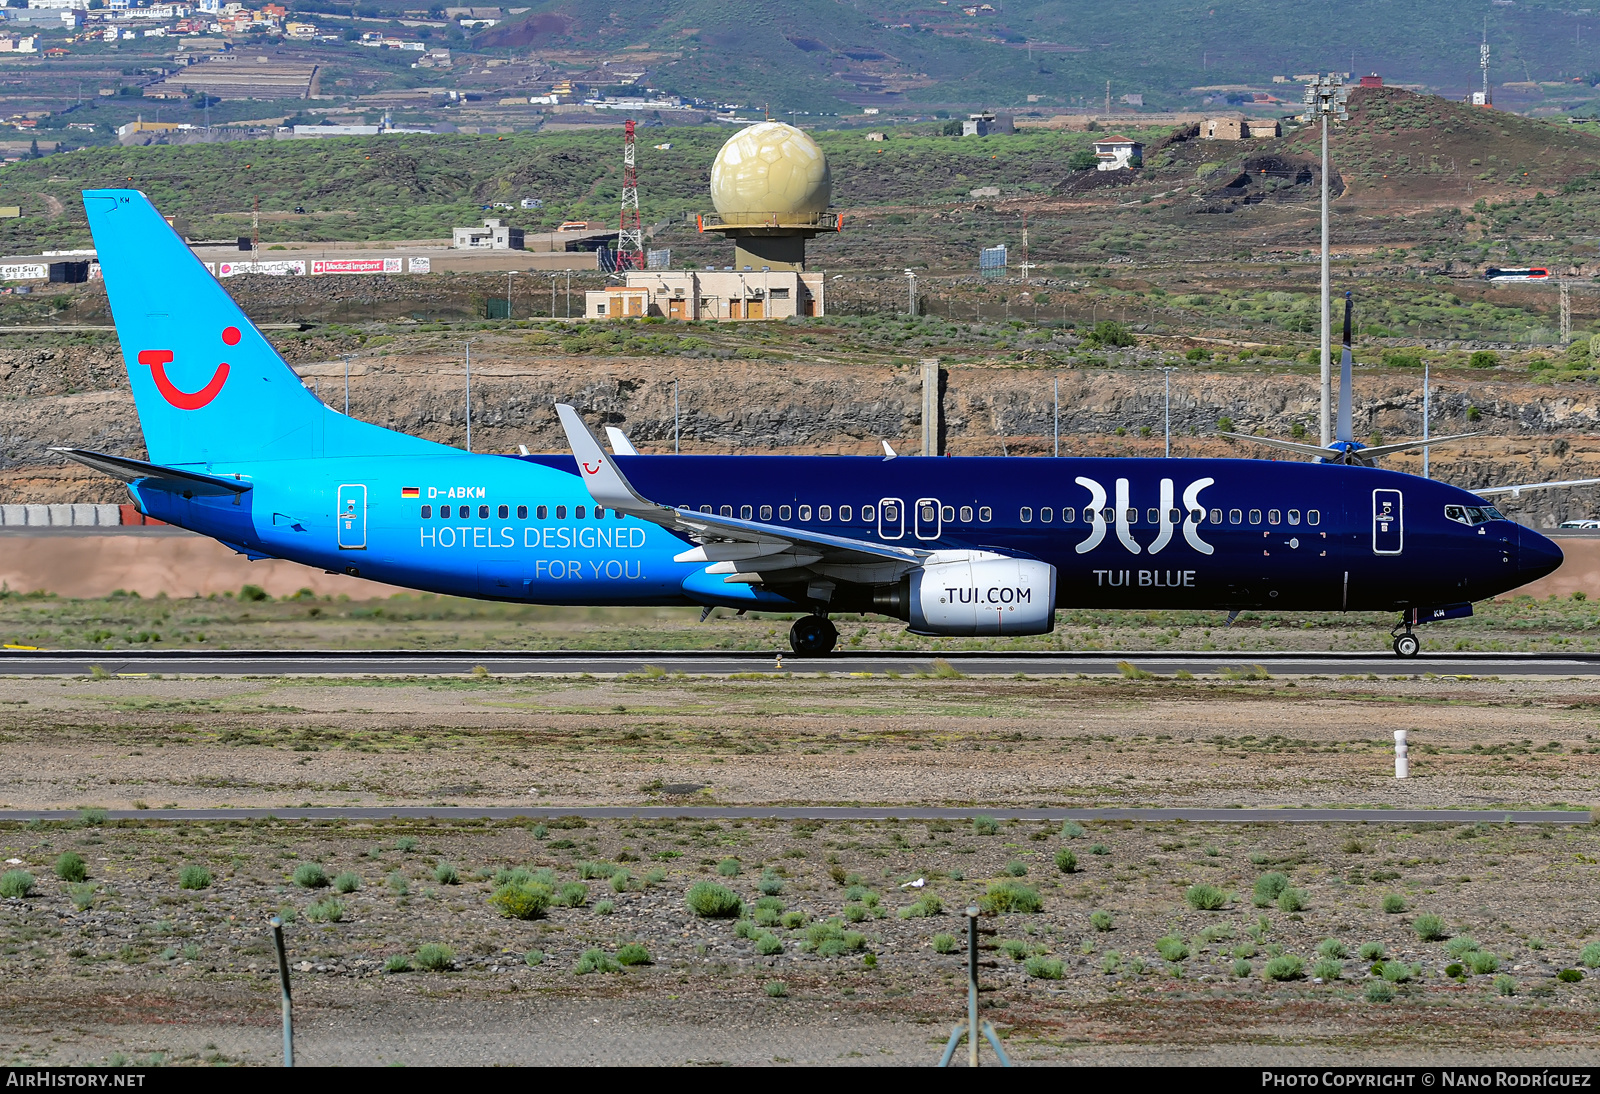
{"x": 239, "y": 450}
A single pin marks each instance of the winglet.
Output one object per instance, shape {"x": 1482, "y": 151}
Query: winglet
{"x": 620, "y": 445}
{"x": 606, "y": 484}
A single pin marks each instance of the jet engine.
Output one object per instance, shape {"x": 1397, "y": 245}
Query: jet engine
{"x": 981, "y": 594}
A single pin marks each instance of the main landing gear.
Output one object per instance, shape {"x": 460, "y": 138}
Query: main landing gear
{"x": 1405, "y": 644}
{"x": 813, "y": 635}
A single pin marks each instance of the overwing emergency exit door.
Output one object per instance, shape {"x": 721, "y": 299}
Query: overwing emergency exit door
{"x": 1388, "y": 522}
{"x": 352, "y": 517}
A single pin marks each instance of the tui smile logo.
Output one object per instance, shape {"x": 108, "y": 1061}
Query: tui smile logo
{"x": 158, "y": 359}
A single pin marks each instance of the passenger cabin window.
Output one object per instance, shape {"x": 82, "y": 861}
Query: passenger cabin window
{"x": 1068, "y": 515}
{"x": 1274, "y": 517}
{"x": 805, "y": 512}
{"x": 783, "y": 512}
{"x": 504, "y": 512}
{"x": 599, "y": 512}
{"x": 1216, "y": 517}
{"x": 1046, "y": 516}
{"x": 985, "y": 515}
{"x": 1255, "y": 516}
{"x": 947, "y": 513}
{"x": 844, "y": 514}
{"x": 1154, "y": 516}
{"x": 1294, "y": 516}
{"x": 727, "y": 510}
{"x": 766, "y": 512}
{"x": 577, "y": 512}
{"x": 1026, "y": 515}
{"x": 1313, "y": 516}
{"x": 427, "y": 511}
{"x": 1235, "y": 516}
{"x": 705, "y": 508}
{"x": 966, "y": 514}
{"x": 869, "y": 514}
{"x": 1198, "y": 516}
{"x": 1108, "y": 514}
{"x": 561, "y": 512}
{"x": 824, "y": 512}
{"x": 543, "y": 512}
{"x": 522, "y": 512}
{"x": 891, "y": 513}
{"x": 1133, "y": 516}
{"x": 746, "y": 512}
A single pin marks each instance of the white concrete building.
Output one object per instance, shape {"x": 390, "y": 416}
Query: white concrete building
{"x": 495, "y": 235}
{"x": 1117, "y": 154}
{"x": 709, "y": 295}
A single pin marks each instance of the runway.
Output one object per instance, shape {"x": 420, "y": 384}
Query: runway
{"x": 828, "y": 813}
{"x": 724, "y": 663}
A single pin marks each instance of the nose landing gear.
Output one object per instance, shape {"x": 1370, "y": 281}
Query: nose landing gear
{"x": 813, "y": 635}
{"x": 1406, "y": 644}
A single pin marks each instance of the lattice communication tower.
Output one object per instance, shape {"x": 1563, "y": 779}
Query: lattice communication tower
{"x": 630, "y": 236}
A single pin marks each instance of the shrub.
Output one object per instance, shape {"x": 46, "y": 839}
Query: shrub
{"x": 1017, "y": 868}
{"x": 574, "y": 894}
{"x": 1569, "y": 976}
{"x": 728, "y": 867}
{"x": 533, "y": 958}
{"x": 945, "y": 943}
{"x": 605, "y": 907}
{"x": 770, "y": 884}
{"x": 1242, "y": 967}
{"x": 768, "y": 917}
{"x": 1108, "y": 332}
{"x": 589, "y": 870}
{"x": 522, "y": 900}
{"x": 1327, "y": 969}
{"x": 1380, "y": 991}
{"x": 397, "y": 883}
{"x": 712, "y": 901}
{"x": 769, "y": 944}
{"x": 347, "y": 882}
{"x": 194, "y": 877}
{"x": 594, "y": 959}
{"x": 1071, "y": 830}
{"x": 632, "y": 953}
{"x": 1286, "y": 967}
{"x": 1016, "y": 949}
{"x": 16, "y": 883}
{"x": 1455, "y": 972}
{"x": 1044, "y": 968}
{"x": 1268, "y": 888}
{"x": 776, "y": 989}
{"x": 82, "y": 895}
{"x": 1205, "y": 898}
{"x": 91, "y": 817}
{"x": 1483, "y": 962}
{"x": 1461, "y": 945}
{"x": 1430, "y": 928}
{"x": 1398, "y": 972}
{"x": 434, "y": 956}
{"x": 1332, "y": 947}
{"x": 984, "y": 825}
{"x": 1371, "y": 951}
{"x": 309, "y": 875}
{"x": 446, "y": 874}
{"x": 1504, "y": 985}
{"x": 1066, "y": 861}
{"x": 1010, "y": 896}
{"x": 405, "y": 843}
{"x": 1590, "y": 955}
{"x": 1101, "y": 921}
{"x": 397, "y": 963}
{"x": 1172, "y": 948}
{"x": 620, "y": 881}
{"x": 1483, "y": 358}
{"x": 326, "y": 911}
{"x": 1099, "y": 849}
{"x": 1394, "y": 904}
{"x": 70, "y": 867}
{"x": 744, "y": 929}
{"x": 830, "y": 939}
{"x": 927, "y": 905}
{"x": 794, "y": 920}
{"x": 1291, "y": 900}
{"x": 855, "y": 913}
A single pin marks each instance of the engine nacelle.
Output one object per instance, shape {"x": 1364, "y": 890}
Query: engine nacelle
{"x": 977, "y": 593}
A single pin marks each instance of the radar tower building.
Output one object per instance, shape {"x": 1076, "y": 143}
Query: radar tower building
{"x": 771, "y": 187}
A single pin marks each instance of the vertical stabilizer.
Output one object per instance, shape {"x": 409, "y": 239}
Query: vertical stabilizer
{"x": 209, "y": 388}
{"x": 1342, "y": 432}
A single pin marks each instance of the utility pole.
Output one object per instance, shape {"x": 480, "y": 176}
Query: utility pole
{"x": 469, "y": 395}
{"x": 675, "y": 417}
{"x": 255, "y": 232}
{"x": 509, "y": 274}
{"x": 346, "y": 357}
{"x": 1326, "y": 95}
{"x": 1058, "y": 416}
{"x": 1027, "y": 267}
{"x": 1425, "y": 408}
{"x": 1566, "y": 312}
{"x": 911, "y": 292}
{"x": 569, "y": 295}
{"x": 1168, "y": 452}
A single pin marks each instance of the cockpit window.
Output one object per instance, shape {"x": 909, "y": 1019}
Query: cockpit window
{"x": 1472, "y": 514}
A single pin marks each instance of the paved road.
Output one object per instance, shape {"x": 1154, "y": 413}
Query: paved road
{"x": 717, "y": 663}
{"x": 835, "y": 813}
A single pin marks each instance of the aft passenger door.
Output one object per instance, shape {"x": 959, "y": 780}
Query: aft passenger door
{"x": 1388, "y": 522}
{"x": 353, "y": 517}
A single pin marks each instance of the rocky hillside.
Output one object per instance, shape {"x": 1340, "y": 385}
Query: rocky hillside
{"x": 77, "y": 394}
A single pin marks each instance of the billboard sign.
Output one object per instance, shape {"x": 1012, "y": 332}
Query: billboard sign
{"x": 419, "y": 265}
{"x": 322, "y": 266}
{"x": 282, "y": 267}
{"x": 24, "y": 271}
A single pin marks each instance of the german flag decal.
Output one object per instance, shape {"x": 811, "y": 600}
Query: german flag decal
{"x": 410, "y": 492}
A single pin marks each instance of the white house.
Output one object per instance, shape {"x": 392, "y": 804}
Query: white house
{"x": 1118, "y": 153}
{"x": 495, "y": 235}
{"x": 709, "y": 295}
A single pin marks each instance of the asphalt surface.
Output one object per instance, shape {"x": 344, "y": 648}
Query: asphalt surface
{"x": 833, "y": 813}
{"x": 720, "y": 663}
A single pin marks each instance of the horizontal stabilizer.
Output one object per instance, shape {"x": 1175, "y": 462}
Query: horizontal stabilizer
{"x": 166, "y": 478}
{"x": 619, "y": 442}
{"x": 1314, "y": 450}
{"x": 1401, "y": 446}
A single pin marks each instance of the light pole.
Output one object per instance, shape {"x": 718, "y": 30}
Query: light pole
{"x": 346, "y": 357}
{"x": 1425, "y": 419}
{"x": 552, "y": 296}
{"x": 911, "y": 292}
{"x": 469, "y": 395}
{"x": 569, "y": 294}
{"x": 674, "y": 417}
{"x": 509, "y": 275}
{"x": 1058, "y": 416}
{"x": 1168, "y": 452}
{"x": 1326, "y": 95}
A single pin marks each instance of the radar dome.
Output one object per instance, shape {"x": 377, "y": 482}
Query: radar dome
{"x": 771, "y": 167}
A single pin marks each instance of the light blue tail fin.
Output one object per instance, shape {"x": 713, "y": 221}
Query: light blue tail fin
{"x": 209, "y": 388}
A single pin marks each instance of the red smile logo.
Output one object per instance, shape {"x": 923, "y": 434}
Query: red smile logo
{"x": 158, "y": 359}
{"x": 587, "y": 470}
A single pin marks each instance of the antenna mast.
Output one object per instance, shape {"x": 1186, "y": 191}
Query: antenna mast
{"x": 630, "y": 236}
{"x": 1483, "y": 63}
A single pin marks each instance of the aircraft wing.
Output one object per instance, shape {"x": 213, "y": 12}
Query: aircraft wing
{"x": 745, "y": 551}
{"x": 1516, "y": 491}
{"x": 168, "y": 478}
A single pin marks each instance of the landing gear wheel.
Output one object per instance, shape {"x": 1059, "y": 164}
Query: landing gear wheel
{"x": 813, "y": 635}
{"x": 1407, "y": 645}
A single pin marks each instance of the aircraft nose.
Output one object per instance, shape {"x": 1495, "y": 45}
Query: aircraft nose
{"x": 1536, "y": 555}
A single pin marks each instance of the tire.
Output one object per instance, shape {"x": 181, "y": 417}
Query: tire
{"x": 813, "y": 635}
{"x": 1407, "y": 645}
